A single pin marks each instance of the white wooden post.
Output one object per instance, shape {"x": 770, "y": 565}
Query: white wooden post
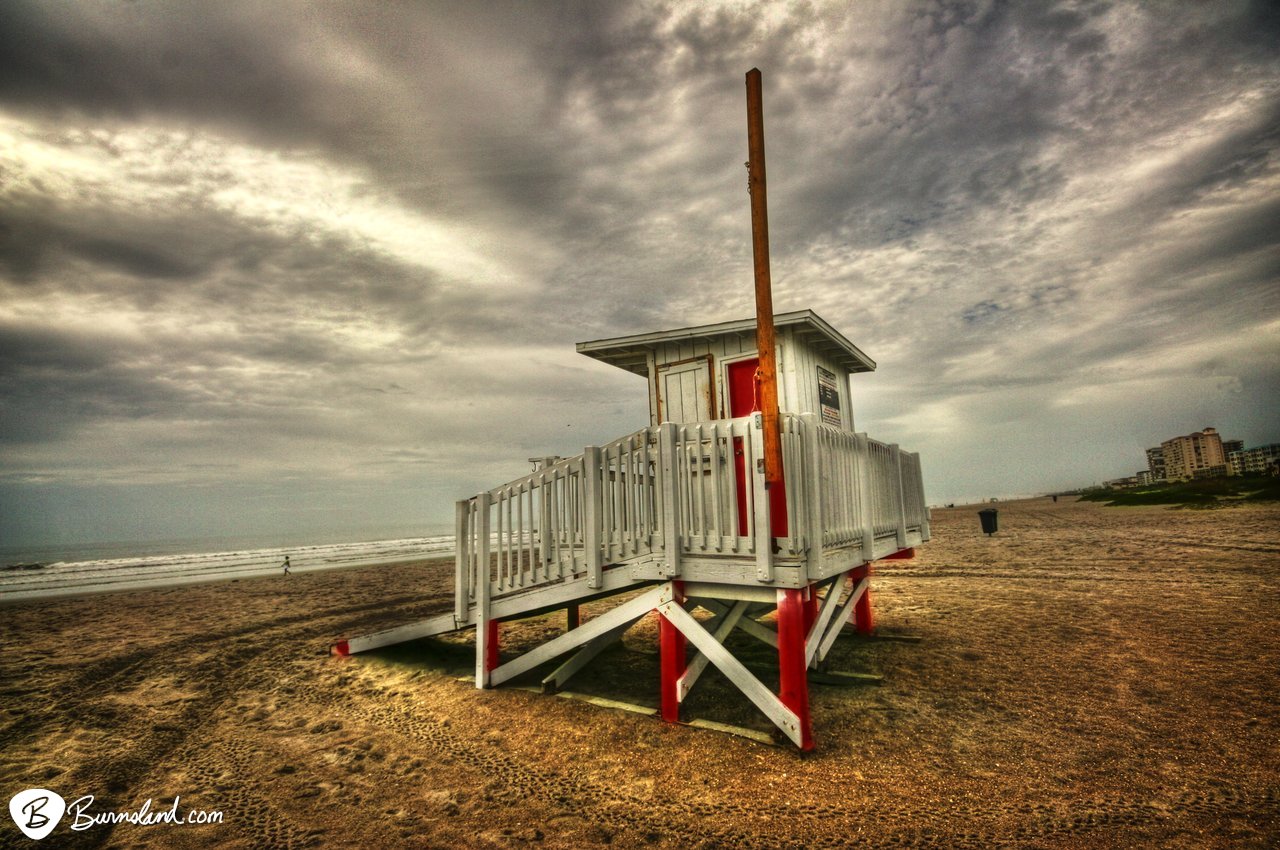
{"x": 593, "y": 513}
{"x": 925, "y": 532}
{"x": 462, "y": 562}
{"x": 760, "y": 502}
{"x": 546, "y": 546}
{"x": 669, "y": 486}
{"x": 482, "y": 589}
{"x": 895, "y": 455}
{"x": 865, "y": 509}
{"x": 812, "y": 491}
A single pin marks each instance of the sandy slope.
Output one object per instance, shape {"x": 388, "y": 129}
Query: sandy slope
{"x": 1090, "y": 677}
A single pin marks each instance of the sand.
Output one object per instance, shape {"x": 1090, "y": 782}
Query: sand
{"x": 1088, "y": 677}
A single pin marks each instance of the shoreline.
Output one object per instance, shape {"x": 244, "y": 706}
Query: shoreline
{"x": 170, "y": 582}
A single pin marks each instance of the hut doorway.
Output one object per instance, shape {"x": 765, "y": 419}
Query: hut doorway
{"x": 743, "y": 401}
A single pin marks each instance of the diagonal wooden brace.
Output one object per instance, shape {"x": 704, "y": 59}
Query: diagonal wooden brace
{"x": 624, "y": 613}
{"x": 830, "y": 604}
{"x": 842, "y": 616}
{"x": 759, "y": 631}
{"x": 583, "y": 656}
{"x": 723, "y": 625}
{"x": 733, "y": 670}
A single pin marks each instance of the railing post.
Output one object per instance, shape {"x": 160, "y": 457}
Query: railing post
{"x": 895, "y": 457}
{"x": 462, "y": 562}
{"x": 812, "y": 491}
{"x": 865, "y": 508}
{"x": 545, "y": 546}
{"x": 482, "y": 590}
{"x": 760, "y": 502}
{"x": 593, "y": 516}
{"x": 925, "y": 532}
{"x": 669, "y": 486}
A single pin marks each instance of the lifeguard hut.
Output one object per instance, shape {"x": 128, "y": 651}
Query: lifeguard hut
{"x": 748, "y": 493}
{"x": 680, "y": 509}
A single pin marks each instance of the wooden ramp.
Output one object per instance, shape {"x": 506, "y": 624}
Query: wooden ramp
{"x": 680, "y": 513}
{"x": 529, "y": 603}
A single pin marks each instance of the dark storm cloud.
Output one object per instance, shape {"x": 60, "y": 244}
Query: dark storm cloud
{"x": 308, "y": 239}
{"x": 220, "y": 62}
{"x": 54, "y": 384}
{"x": 29, "y": 246}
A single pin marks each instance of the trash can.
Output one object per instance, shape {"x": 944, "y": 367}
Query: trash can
{"x": 988, "y": 517}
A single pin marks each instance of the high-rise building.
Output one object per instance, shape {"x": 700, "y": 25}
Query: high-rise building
{"x": 1155, "y": 464}
{"x": 1196, "y": 452}
{"x": 1255, "y": 461}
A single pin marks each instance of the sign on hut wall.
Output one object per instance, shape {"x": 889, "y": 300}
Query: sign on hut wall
{"x": 828, "y": 397}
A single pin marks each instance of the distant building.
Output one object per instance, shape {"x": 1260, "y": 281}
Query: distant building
{"x": 1155, "y": 464}
{"x": 1184, "y": 457}
{"x": 1229, "y": 446}
{"x": 1260, "y": 460}
{"x": 1121, "y": 483}
{"x": 1144, "y": 478}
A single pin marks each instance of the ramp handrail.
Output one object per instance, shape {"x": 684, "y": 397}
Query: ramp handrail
{"x": 612, "y": 503}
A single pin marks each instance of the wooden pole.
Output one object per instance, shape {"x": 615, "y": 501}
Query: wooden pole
{"x": 767, "y": 374}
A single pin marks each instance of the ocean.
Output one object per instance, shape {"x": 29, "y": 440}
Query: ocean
{"x": 101, "y": 567}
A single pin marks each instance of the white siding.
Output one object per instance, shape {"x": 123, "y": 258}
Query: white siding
{"x": 797, "y": 373}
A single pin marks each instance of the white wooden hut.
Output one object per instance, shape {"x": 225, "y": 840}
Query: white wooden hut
{"x": 705, "y": 373}
{"x": 680, "y": 508}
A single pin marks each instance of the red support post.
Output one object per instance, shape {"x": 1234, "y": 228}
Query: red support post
{"x": 573, "y": 617}
{"x": 792, "y": 669}
{"x": 672, "y": 645}
{"x": 491, "y": 646}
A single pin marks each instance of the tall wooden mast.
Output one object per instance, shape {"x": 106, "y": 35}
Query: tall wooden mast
{"x": 767, "y": 374}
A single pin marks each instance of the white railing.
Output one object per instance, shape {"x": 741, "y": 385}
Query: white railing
{"x": 687, "y": 490}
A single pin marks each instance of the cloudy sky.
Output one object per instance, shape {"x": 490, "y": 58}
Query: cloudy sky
{"x": 297, "y": 265}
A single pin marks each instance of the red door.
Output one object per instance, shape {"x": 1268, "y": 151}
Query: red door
{"x": 743, "y": 402}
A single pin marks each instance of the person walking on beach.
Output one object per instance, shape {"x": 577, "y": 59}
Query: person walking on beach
{"x": 286, "y": 565}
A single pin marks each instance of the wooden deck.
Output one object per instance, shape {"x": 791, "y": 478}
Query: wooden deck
{"x": 683, "y": 509}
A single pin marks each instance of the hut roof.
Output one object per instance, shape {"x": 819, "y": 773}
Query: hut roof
{"x": 630, "y": 352}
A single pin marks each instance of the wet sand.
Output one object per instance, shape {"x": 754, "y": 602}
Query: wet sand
{"x": 1088, "y": 677}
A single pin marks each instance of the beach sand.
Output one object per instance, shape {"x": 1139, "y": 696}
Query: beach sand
{"x": 1088, "y": 677}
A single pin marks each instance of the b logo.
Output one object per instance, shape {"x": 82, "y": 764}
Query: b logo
{"x": 37, "y": 811}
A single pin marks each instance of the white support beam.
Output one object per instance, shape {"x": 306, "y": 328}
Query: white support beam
{"x": 759, "y": 631}
{"x": 714, "y": 590}
{"x": 583, "y": 656}
{"x": 723, "y": 625}
{"x": 437, "y": 625}
{"x": 818, "y": 630}
{"x": 733, "y": 670}
{"x": 626, "y": 612}
{"x": 841, "y": 617}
